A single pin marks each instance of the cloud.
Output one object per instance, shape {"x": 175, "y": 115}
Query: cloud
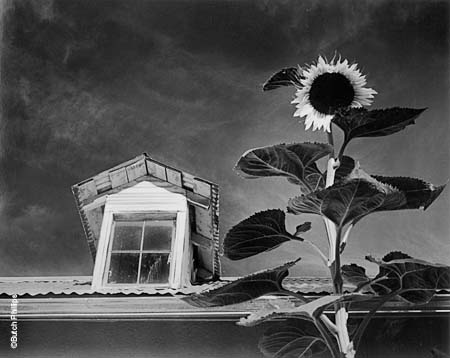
{"x": 37, "y": 240}
{"x": 89, "y": 84}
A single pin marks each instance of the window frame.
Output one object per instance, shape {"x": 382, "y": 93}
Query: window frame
{"x": 145, "y": 200}
{"x": 144, "y": 218}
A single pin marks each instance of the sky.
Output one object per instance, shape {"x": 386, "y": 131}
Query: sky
{"x": 89, "y": 84}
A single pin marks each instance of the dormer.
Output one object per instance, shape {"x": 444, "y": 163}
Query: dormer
{"x": 149, "y": 225}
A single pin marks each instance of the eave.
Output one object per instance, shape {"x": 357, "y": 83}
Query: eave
{"x": 72, "y": 298}
{"x": 174, "y": 308}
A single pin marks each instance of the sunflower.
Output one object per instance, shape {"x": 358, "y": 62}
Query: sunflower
{"x": 327, "y": 87}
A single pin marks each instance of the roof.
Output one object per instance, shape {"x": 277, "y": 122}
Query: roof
{"x": 202, "y": 195}
{"x": 81, "y": 285}
{"x": 47, "y": 298}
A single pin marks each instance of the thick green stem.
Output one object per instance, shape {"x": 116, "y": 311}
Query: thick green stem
{"x": 334, "y": 239}
{"x": 329, "y": 225}
{"x": 338, "y": 283}
{"x": 331, "y": 141}
{"x": 341, "y": 151}
{"x": 341, "y": 314}
{"x": 345, "y": 238}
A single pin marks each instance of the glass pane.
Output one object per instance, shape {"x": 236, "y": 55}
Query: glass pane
{"x": 158, "y": 235}
{"x": 127, "y": 235}
{"x": 123, "y": 268}
{"x": 154, "y": 268}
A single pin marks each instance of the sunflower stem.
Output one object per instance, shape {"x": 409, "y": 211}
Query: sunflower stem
{"x": 345, "y": 238}
{"x": 342, "y": 149}
{"x": 328, "y": 323}
{"x": 334, "y": 234}
{"x": 322, "y": 328}
{"x": 331, "y": 141}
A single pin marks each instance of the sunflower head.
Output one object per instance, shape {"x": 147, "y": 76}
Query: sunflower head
{"x": 327, "y": 87}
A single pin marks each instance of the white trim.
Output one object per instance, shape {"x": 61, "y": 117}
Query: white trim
{"x": 146, "y": 197}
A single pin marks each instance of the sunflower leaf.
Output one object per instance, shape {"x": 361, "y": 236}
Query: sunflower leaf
{"x": 401, "y": 192}
{"x": 415, "y": 281}
{"x": 308, "y": 311}
{"x": 355, "y": 275}
{"x": 346, "y": 166}
{"x": 296, "y": 162}
{"x": 306, "y": 226}
{"x": 285, "y": 77}
{"x": 359, "y": 122}
{"x": 418, "y": 193}
{"x": 243, "y": 289}
{"x": 341, "y": 203}
{"x": 291, "y": 338}
{"x": 357, "y": 194}
{"x": 260, "y": 232}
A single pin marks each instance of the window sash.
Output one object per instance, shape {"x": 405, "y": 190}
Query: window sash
{"x": 141, "y": 251}
{"x": 140, "y": 217}
{"x": 149, "y": 216}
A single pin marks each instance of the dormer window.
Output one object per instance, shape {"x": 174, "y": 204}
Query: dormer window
{"x": 144, "y": 239}
{"x": 141, "y": 249}
{"x": 149, "y": 225}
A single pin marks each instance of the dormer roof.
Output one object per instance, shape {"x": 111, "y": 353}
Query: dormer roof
{"x": 202, "y": 196}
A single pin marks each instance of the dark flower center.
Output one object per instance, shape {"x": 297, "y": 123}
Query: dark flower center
{"x": 331, "y": 91}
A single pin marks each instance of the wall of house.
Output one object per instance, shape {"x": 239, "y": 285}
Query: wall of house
{"x": 386, "y": 337}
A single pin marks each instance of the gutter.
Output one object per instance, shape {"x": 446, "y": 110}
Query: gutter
{"x": 173, "y": 308}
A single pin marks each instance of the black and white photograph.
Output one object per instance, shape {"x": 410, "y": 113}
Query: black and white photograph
{"x": 224, "y": 178}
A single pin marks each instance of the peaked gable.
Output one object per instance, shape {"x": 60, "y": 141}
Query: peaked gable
{"x": 202, "y": 196}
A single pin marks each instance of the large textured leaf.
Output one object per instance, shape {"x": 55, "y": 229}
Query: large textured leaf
{"x": 358, "y": 194}
{"x": 285, "y": 77}
{"x": 261, "y": 232}
{"x": 346, "y": 167}
{"x": 354, "y": 274}
{"x": 243, "y": 289}
{"x": 296, "y": 162}
{"x": 342, "y": 203}
{"x": 293, "y": 338}
{"x": 415, "y": 281}
{"x": 359, "y": 122}
{"x": 306, "y": 226}
{"x": 306, "y": 311}
{"x": 309, "y": 310}
{"x": 417, "y": 193}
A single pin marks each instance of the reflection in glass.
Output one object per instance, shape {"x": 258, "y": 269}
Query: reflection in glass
{"x": 127, "y": 235}
{"x": 123, "y": 268}
{"x": 158, "y": 235}
{"x": 141, "y": 251}
{"x": 154, "y": 268}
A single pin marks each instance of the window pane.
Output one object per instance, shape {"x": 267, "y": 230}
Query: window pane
{"x": 123, "y": 268}
{"x": 158, "y": 235}
{"x": 127, "y": 235}
{"x": 154, "y": 268}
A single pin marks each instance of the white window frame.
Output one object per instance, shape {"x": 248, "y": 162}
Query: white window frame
{"x": 146, "y": 198}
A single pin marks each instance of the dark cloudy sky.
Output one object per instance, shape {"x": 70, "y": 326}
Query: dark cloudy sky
{"x": 89, "y": 84}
